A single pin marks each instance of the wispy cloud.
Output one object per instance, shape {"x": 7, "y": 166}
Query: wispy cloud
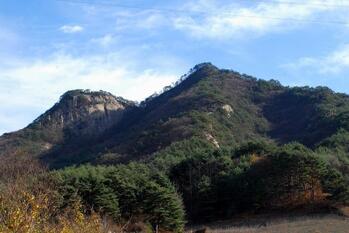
{"x": 142, "y": 20}
{"x": 228, "y": 21}
{"x": 207, "y": 19}
{"x": 335, "y": 62}
{"x": 71, "y": 28}
{"x": 105, "y": 40}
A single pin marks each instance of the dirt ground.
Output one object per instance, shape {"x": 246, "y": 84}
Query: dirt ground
{"x": 295, "y": 224}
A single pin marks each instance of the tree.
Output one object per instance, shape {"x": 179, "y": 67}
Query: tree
{"x": 126, "y": 192}
{"x": 291, "y": 176}
{"x": 163, "y": 207}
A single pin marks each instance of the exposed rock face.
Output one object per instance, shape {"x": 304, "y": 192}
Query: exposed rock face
{"x": 84, "y": 113}
{"x": 228, "y": 109}
{"x": 212, "y": 139}
{"x": 80, "y": 115}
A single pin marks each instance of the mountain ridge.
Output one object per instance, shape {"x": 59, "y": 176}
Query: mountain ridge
{"x": 220, "y": 106}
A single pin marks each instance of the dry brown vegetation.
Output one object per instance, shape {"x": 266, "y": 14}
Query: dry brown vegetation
{"x": 29, "y": 203}
{"x": 300, "y": 224}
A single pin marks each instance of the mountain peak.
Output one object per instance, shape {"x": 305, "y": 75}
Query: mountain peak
{"x": 202, "y": 69}
{"x": 76, "y": 104}
{"x": 82, "y": 113}
{"x": 205, "y": 65}
{"x": 81, "y": 93}
{"x": 88, "y": 96}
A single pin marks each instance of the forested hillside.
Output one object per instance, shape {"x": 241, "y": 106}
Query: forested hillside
{"x": 214, "y": 145}
{"x": 219, "y": 106}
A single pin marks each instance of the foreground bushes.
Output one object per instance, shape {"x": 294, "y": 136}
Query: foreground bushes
{"x": 30, "y": 203}
{"x": 213, "y": 184}
{"x": 86, "y": 199}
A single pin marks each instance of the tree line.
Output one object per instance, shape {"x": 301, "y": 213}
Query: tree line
{"x": 190, "y": 181}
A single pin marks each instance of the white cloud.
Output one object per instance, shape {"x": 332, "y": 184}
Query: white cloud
{"x": 71, "y": 28}
{"x": 62, "y": 72}
{"x": 154, "y": 20}
{"x": 209, "y": 19}
{"x": 105, "y": 40}
{"x": 143, "y": 20}
{"x": 36, "y": 85}
{"x": 334, "y": 62}
{"x": 228, "y": 21}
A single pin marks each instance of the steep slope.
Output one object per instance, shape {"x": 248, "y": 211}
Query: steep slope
{"x": 222, "y": 107}
{"x": 79, "y": 116}
{"x": 228, "y": 108}
{"x": 208, "y": 103}
{"x": 307, "y": 115}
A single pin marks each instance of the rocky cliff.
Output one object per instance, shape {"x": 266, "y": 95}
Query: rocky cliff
{"x": 80, "y": 115}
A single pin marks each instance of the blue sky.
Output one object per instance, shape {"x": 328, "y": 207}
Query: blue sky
{"x": 134, "y": 48}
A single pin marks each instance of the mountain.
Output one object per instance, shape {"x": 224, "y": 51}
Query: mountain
{"x": 221, "y": 107}
{"x": 79, "y": 116}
